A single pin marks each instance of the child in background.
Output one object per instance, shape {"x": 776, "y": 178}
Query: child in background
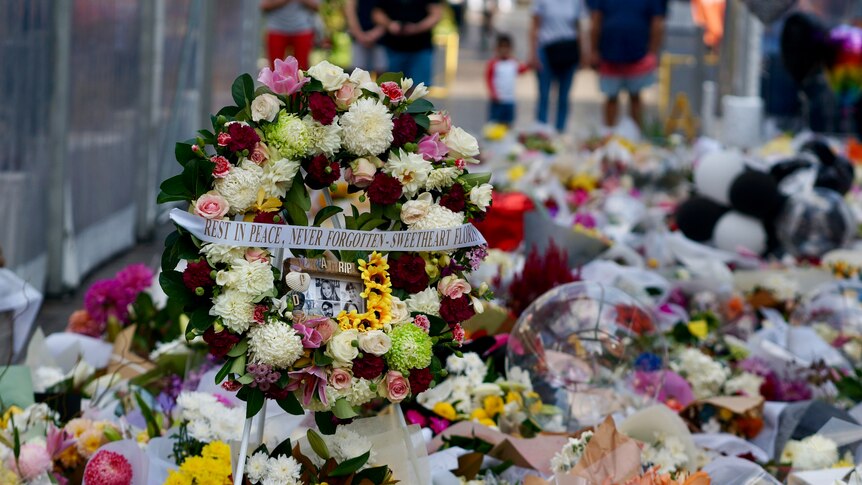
{"x": 501, "y": 74}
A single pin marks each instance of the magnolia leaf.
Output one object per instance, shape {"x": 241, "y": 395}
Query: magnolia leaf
{"x": 351, "y": 465}
{"x": 291, "y": 405}
{"x": 421, "y": 105}
{"x": 245, "y": 379}
{"x": 254, "y": 403}
{"x": 239, "y": 349}
{"x": 325, "y": 213}
{"x": 224, "y": 371}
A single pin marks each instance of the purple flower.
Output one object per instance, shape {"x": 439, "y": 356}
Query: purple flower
{"x": 108, "y": 298}
{"x": 756, "y": 366}
{"x": 135, "y": 277}
{"x": 57, "y": 441}
{"x": 585, "y": 219}
{"x": 311, "y": 338}
{"x": 286, "y": 78}
{"x": 313, "y": 379}
{"x": 415, "y": 417}
{"x": 476, "y": 255}
{"x": 431, "y": 148}
{"x": 673, "y": 386}
{"x": 438, "y": 425}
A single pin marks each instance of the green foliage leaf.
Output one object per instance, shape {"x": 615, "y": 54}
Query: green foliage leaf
{"x": 438, "y": 325}
{"x": 200, "y": 320}
{"x": 153, "y": 429}
{"x": 373, "y": 224}
{"x": 173, "y": 286}
{"x": 390, "y": 76}
{"x": 313, "y": 86}
{"x": 174, "y": 189}
{"x": 254, "y": 403}
{"x": 291, "y": 405}
{"x": 297, "y": 216}
{"x": 242, "y": 90}
{"x": 239, "y": 349}
{"x": 423, "y": 121}
{"x": 470, "y": 180}
{"x": 183, "y": 151}
{"x": 851, "y": 388}
{"x": 283, "y": 449}
{"x": 350, "y": 466}
{"x": 223, "y": 372}
{"x": 321, "y": 359}
{"x": 421, "y": 105}
{"x": 317, "y": 444}
{"x": 197, "y": 177}
{"x": 323, "y": 419}
{"x": 374, "y": 475}
{"x": 298, "y": 195}
{"x": 325, "y": 213}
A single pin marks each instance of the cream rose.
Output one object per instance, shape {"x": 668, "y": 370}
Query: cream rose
{"x": 441, "y": 123}
{"x": 453, "y": 287}
{"x": 415, "y": 210}
{"x": 345, "y": 96}
{"x": 461, "y": 142}
{"x": 340, "y": 379}
{"x": 341, "y": 347}
{"x": 395, "y": 388}
{"x": 256, "y": 254}
{"x": 375, "y": 342}
{"x": 361, "y": 173}
{"x": 399, "y": 311}
{"x": 331, "y": 76}
{"x": 211, "y": 206}
{"x": 265, "y": 107}
{"x": 481, "y": 196}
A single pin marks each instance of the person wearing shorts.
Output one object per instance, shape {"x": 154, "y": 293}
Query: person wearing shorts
{"x": 626, "y": 38}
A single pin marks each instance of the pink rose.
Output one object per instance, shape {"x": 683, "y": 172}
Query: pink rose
{"x": 256, "y": 254}
{"x": 441, "y": 123}
{"x": 222, "y": 166}
{"x": 453, "y": 287}
{"x": 397, "y": 387}
{"x": 286, "y": 78}
{"x": 324, "y": 326}
{"x": 223, "y": 139}
{"x": 361, "y": 173}
{"x": 392, "y": 91}
{"x": 345, "y": 96}
{"x": 431, "y": 148}
{"x": 211, "y": 206}
{"x": 259, "y": 154}
{"x": 340, "y": 378}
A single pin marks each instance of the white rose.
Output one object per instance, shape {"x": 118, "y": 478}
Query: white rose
{"x": 462, "y": 143}
{"x": 331, "y": 76}
{"x": 265, "y": 107}
{"x": 341, "y": 346}
{"x": 481, "y": 196}
{"x": 399, "y": 311}
{"x": 375, "y": 342}
{"x": 415, "y": 210}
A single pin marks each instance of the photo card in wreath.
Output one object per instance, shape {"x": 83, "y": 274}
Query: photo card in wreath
{"x": 327, "y": 287}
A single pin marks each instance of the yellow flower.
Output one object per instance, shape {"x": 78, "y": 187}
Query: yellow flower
{"x": 516, "y": 173}
{"x": 583, "y": 182}
{"x": 513, "y": 396}
{"x": 70, "y": 458}
{"x": 142, "y": 437}
{"x": 725, "y": 414}
{"x": 493, "y": 405}
{"x": 212, "y": 467}
{"x": 12, "y": 411}
{"x": 478, "y": 415}
{"x": 445, "y": 410}
{"x": 488, "y": 422}
{"x": 176, "y": 477}
{"x": 699, "y": 329}
{"x": 495, "y": 131}
{"x": 269, "y": 205}
{"x": 90, "y": 441}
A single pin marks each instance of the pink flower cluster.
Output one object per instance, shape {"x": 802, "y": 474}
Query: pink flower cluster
{"x": 112, "y": 297}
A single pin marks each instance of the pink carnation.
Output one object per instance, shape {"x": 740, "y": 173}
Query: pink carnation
{"x": 392, "y": 91}
{"x": 458, "y": 334}
{"x": 108, "y": 468}
{"x": 223, "y": 139}
{"x": 286, "y": 78}
{"x": 422, "y": 322}
{"x": 33, "y": 461}
{"x": 222, "y": 165}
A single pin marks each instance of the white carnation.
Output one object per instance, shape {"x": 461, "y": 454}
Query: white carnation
{"x": 461, "y": 143}
{"x": 278, "y": 177}
{"x": 367, "y": 128}
{"x": 571, "y": 454}
{"x": 481, "y": 196}
{"x": 331, "y": 76}
{"x": 375, "y": 342}
{"x": 284, "y": 470}
{"x": 439, "y": 217}
{"x": 256, "y": 466}
{"x": 442, "y": 178}
{"x": 812, "y": 453}
{"x": 426, "y": 301}
{"x": 221, "y": 253}
{"x": 240, "y": 186}
{"x": 235, "y": 309}
{"x": 275, "y": 343}
{"x": 265, "y": 107}
{"x": 745, "y": 383}
{"x": 325, "y": 139}
{"x": 411, "y": 169}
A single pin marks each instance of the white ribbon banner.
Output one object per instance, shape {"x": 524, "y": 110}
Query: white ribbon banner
{"x": 254, "y": 234}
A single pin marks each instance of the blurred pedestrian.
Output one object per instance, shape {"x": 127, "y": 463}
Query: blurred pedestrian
{"x": 408, "y": 41}
{"x": 555, "y": 51}
{"x": 501, "y": 76}
{"x": 626, "y": 39}
{"x": 367, "y": 52}
{"x": 290, "y": 28}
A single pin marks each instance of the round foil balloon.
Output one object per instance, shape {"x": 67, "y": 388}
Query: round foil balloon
{"x": 815, "y": 222}
{"x": 587, "y": 347}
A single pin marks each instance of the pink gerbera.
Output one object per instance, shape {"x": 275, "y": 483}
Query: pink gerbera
{"x": 108, "y": 468}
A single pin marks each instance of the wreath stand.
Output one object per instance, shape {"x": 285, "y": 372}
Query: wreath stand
{"x": 249, "y": 422}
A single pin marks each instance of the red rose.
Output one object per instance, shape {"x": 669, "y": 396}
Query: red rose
{"x": 404, "y": 130}
{"x": 242, "y": 137}
{"x": 408, "y": 272}
{"x": 456, "y": 310}
{"x": 369, "y": 366}
{"x": 420, "y": 380}
{"x": 384, "y": 189}
{"x": 197, "y": 275}
{"x": 455, "y": 200}
{"x": 269, "y": 217}
{"x": 322, "y": 108}
{"x": 392, "y": 91}
{"x": 220, "y": 342}
{"x": 321, "y": 172}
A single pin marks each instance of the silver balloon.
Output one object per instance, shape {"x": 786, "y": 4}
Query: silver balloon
{"x": 582, "y": 344}
{"x": 815, "y": 222}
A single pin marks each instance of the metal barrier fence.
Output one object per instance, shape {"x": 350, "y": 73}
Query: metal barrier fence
{"x": 93, "y": 94}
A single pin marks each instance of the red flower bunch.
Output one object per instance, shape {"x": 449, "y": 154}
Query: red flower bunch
{"x": 369, "y": 366}
{"x": 220, "y": 343}
{"x": 456, "y": 199}
{"x": 420, "y": 380}
{"x": 321, "y": 172}
{"x": 635, "y": 319}
{"x": 198, "y": 275}
{"x": 408, "y": 272}
{"x": 384, "y": 189}
{"x": 456, "y": 310}
{"x": 404, "y": 130}
{"x": 322, "y": 108}
{"x": 242, "y": 137}
{"x": 541, "y": 273}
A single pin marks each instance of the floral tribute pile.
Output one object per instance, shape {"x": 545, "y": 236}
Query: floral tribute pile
{"x": 303, "y": 131}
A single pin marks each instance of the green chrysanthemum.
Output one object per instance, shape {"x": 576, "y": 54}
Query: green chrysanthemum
{"x": 411, "y": 348}
{"x": 290, "y": 135}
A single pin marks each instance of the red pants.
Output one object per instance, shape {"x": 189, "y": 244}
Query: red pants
{"x": 299, "y": 44}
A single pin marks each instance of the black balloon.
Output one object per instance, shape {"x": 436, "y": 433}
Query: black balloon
{"x": 803, "y": 45}
{"x": 820, "y": 149}
{"x": 835, "y": 172}
{"x": 755, "y": 194}
{"x": 697, "y": 216}
{"x": 781, "y": 170}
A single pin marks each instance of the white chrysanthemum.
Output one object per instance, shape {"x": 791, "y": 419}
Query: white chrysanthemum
{"x": 284, "y": 470}
{"x": 226, "y": 424}
{"x": 46, "y": 377}
{"x": 442, "y": 178}
{"x": 455, "y": 364}
{"x": 571, "y": 454}
{"x": 705, "y": 375}
{"x": 360, "y": 392}
{"x": 221, "y": 253}
{"x": 256, "y": 466}
{"x": 200, "y": 430}
{"x": 235, "y": 309}
{"x": 253, "y": 278}
{"x": 411, "y": 169}
{"x": 812, "y": 453}
{"x": 278, "y": 177}
{"x": 426, "y": 301}
{"x": 745, "y": 383}
{"x": 326, "y": 139}
{"x": 346, "y": 445}
{"x": 367, "y": 128}
{"x": 190, "y": 402}
{"x": 240, "y": 186}
{"x": 438, "y": 217}
{"x": 275, "y": 343}
{"x": 668, "y": 453}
